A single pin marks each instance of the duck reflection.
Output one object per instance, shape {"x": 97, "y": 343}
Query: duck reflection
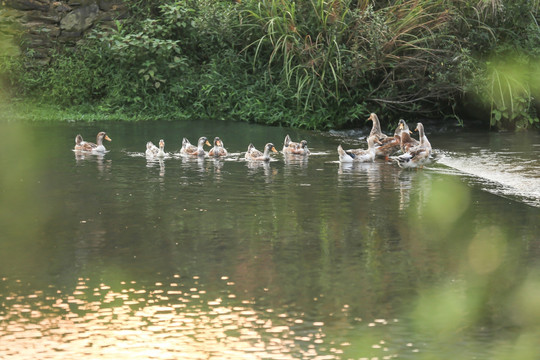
{"x": 415, "y": 185}
{"x": 193, "y": 162}
{"x": 361, "y": 174}
{"x": 373, "y": 171}
{"x": 354, "y": 167}
{"x": 81, "y": 157}
{"x": 255, "y": 166}
{"x": 292, "y": 160}
{"x": 151, "y": 162}
{"x": 218, "y": 166}
{"x": 404, "y": 182}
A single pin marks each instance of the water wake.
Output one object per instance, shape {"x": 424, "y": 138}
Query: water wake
{"x": 502, "y": 173}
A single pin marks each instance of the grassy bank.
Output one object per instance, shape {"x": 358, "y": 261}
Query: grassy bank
{"x": 314, "y": 64}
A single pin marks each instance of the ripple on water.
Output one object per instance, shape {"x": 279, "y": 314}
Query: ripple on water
{"x": 164, "y": 321}
{"x": 178, "y": 318}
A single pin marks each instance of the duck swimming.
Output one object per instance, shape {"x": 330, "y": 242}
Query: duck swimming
{"x": 253, "y": 154}
{"x": 389, "y": 144}
{"x": 218, "y": 150}
{"x": 153, "y": 151}
{"x": 81, "y": 145}
{"x": 418, "y": 155}
{"x": 192, "y": 150}
{"x": 294, "y": 148}
{"x": 376, "y": 128}
{"x": 359, "y": 155}
{"x": 407, "y": 142}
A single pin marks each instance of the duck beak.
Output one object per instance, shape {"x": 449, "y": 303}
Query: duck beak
{"x": 410, "y": 132}
{"x": 274, "y": 149}
{"x": 207, "y": 143}
{"x": 107, "y": 138}
{"x": 218, "y": 143}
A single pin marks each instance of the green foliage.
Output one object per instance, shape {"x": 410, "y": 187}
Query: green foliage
{"x": 316, "y": 64}
{"x": 509, "y": 94}
{"x": 508, "y": 48}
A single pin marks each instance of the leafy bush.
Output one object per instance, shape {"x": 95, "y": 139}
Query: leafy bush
{"x": 317, "y": 63}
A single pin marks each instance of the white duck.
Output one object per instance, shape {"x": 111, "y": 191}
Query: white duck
{"x": 154, "y": 151}
{"x": 151, "y": 149}
{"x": 358, "y": 155}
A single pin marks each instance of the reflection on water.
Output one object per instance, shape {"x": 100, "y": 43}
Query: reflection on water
{"x": 166, "y": 319}
{"x": 85, "y": 159}
{"x": 121, "y": 256}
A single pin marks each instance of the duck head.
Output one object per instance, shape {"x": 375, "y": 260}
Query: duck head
{"x": 203, "y": 141}
{"x": 270, "y": 147}
{"x": 103, "y": 135}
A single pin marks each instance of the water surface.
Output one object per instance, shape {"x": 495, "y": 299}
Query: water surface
{"x": 118, "y": 256}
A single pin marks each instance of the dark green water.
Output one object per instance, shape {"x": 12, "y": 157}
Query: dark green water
{"x": 117, "y": 257}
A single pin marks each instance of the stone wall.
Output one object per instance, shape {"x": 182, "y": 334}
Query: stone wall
{"x": 38, "y": 26}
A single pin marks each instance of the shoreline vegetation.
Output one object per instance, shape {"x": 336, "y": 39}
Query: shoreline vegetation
{"x": 312, "y": 64}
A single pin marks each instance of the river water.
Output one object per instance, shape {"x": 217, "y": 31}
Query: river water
{"x": 118, "y": 256}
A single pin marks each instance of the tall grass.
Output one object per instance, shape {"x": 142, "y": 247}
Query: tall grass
{"x": 401, "y": 48}
{"x": 305, "y": 38}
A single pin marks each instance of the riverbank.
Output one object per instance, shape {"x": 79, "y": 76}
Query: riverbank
{"x": 29, "y": 111}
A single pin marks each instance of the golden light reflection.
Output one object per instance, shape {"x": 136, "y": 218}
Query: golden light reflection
{"x": 162, "y": 322}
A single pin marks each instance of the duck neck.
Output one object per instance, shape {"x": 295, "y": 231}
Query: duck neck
{"x": 376, "y": 128}
{"x": 421, "y": 135}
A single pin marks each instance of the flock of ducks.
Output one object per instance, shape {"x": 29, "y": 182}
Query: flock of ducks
{"x": 414, "y": 153}
{"x": 401, "y": 148}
